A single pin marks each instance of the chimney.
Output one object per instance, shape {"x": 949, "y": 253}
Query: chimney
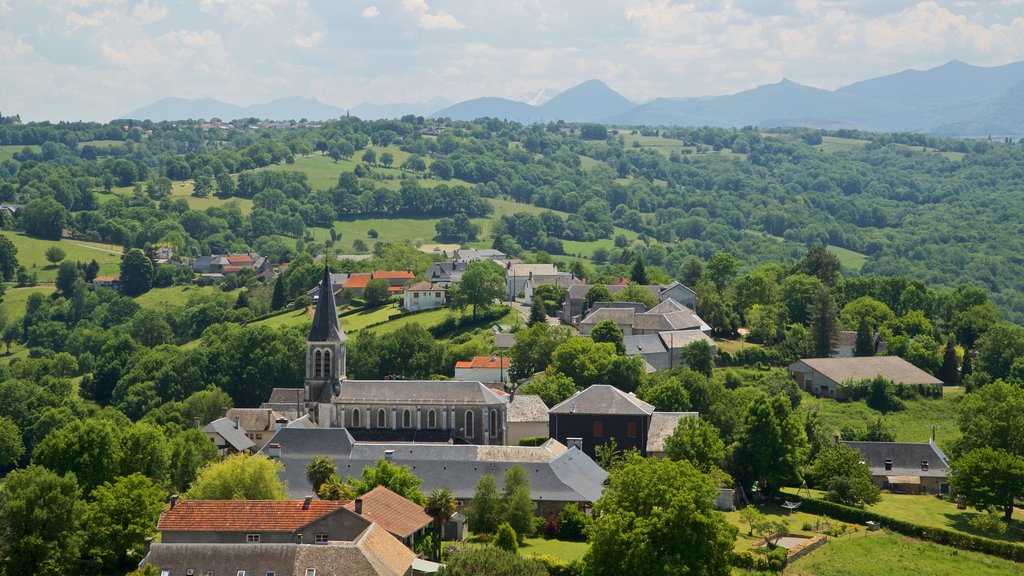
{"x": 270, "y": 419}
{"x": 359, "y": 506}
{"x": 576, "y": 443}
{"x": 174, "y": 500}
{"x": 274, "y": 451}
{"x": 237, "y": 419}
{"x": 196, "y": 422}
{"x": 389, "y": 455}
{"x": 306, "y": 503}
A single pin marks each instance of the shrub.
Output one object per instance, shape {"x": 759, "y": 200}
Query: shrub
{"x": 988, "y": 522}
{"x": 551, "y": 526}
{"x": 533, "y": 440}
{"x": 572, "y": 523}
{"x": 505, "y": 538}
{"x": 807, "y": 527}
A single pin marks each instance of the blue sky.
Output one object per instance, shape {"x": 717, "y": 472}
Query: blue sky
{"x": 99, "y": 59}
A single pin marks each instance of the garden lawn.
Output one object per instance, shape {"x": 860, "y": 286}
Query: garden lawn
{"x": 174, "y": 295}
{"x": 425, "y": 319}
{"x": 870, "y": 554}
{"x": 32, "y": 254}
{"x": 930, "y": 511}
{"x": 560, "y": 549}
{"x": 795, "y": 520}
{"x": 910, "y": 425}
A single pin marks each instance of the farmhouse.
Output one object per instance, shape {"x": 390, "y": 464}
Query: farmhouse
{"x": 403, "y": 518}
{"x": 562, "y": 280}
{"x": 424, "y": 296}
{"x": 107, "y": 282}
{"x": 664, "y": 350}
{"x": 572, "y": 310}
{"x": 601, "y": 413}
{"x": 667, "y": 316}
{"x": 916, "y": 468}
{"x": 516, "y": 276}
{"x": 824, "y": 376}
{"x": 233, "y": 263}
{"x": 472, "y": 255}
{"x": 228, "y": 436}
{"x": 447, "y": 273}
{"x": 483, "y": 368}
{"x": 558, "y": 475}
{"x": 396, "y": 280}
{"x": 258, "y": 424}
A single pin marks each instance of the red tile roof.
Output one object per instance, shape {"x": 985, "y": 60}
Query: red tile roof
{"x": 232, "y": 268}
{"x": 356, "y": 281}
{"x": 394, "y": 275}
{"x": 484, "y": 362}
{"x": 116, "y": 278}
{"x": 241, "y": 259}
{"x": 243, "y": 515}
{"x": 392, "y": 512}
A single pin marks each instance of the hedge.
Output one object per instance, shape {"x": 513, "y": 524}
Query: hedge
{"x": 936, "y": 534}
{"x": 533, "y": 440}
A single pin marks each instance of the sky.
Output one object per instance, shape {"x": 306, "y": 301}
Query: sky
{"x": 100, "y": 59}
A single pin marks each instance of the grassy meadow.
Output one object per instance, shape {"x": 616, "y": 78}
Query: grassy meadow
{"x": 7, "y": 152}
{"x": 32, "y": 254}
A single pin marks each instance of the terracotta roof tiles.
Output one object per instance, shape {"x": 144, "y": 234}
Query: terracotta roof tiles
{"x": 243, "y": 515}
{"x": 396, "y": 514}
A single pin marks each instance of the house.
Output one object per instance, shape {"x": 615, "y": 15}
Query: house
{"x": 664, "y": 350}
{"x": 446, "y": 273}
{"x": 846, "y": 341}
{"x": 107, "y": 282}
{"x": 401, "y": 517}
{"x": 483, "y": 368}
{"x": 228, "y": 436}
{"x": 396, "y": 280}
{"x": 825, "y": 376}
{"x": 516, "y": 276}
{"x": 504, "y": 340}
{"x": 914, "y": 467}
{"x": 258, "y": 424}
{"x": 233, "y": 263}
{"x": 472, "y": 255}
{"x": 288, "y": 402}
{"x": 572, "y": 309}
{"x": 601, "y": 413}
{"x": 394, "y": 409}
{"x": 558, "y": 475}
{"x": 561, "y": 280}
{"x": 667, "y": 316}
{"x": 337, "y": 283}
{"x": 424, "y": 296}
{"x": 290, "y": 538}
{"x": 527, "y": 418}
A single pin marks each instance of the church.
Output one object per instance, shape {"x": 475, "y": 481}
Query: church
{"x": 456, "y": 412}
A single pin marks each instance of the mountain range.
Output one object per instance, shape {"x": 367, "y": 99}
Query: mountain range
{"x": 953, "y": 99}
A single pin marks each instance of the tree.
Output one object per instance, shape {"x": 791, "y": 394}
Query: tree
{"x": 533, "y": 349}
{"x": 864, "y": 345}
{"x": 824, "y": 328}
{"x": 11, "y": 446}
{"x": 636, "y": 293}
{"x": 397, "y": 478}
{"x": 638, "y": 273}
{"x": 336, "y": 489}
{"x": 696, "y": 441}
{"x": 40, "y": 514}
{"x": 136, "y": 272}
{"x": 387, "y": 159}
{"x": 596, "y": 293}
{"x": 572, "y": 523}
{"x": 538, "y": 314}
{"x": 517, "y": 501}
{"x": 998, "y": 348}
{"x": 609, "y": 331}
{"x": 845, "y": 475}
{"x": 699, "y": 357}
{"x": 552, "y": 387}
{"x": 91, "y": 449}
{"x": 797, "y": 292}
{"x": 669, "y": 395}
{"x": 989, "y": 477}
{"x": 319, "y": 470}
{"x": 993, "y": 417}
{"x": 721, "y": 270}
{"x": 190, "y": 451}
{"x": 8, "y": 258}
{"x": 440, "y": 505}
{"x": 820, "y": 263}
{"x": 369, "y": 156}
{"x": 691, "y": 271}
{"x": 949, "y": 373}
{"x": 44, "y": 218}
{"x": 772, "y": 444}
{"x": 484, "y": 511}
{"x": 751, "y": 517}
{"x": 376, "y": 292}
{"x": 120, "y": 517}
{"x": 657, "y": 517}
{"x": 490, "y": 561}
{"x": 239, "y": 477}
{"x": 482, "y": 283}
{"x": 67, "y": 277}
{"x": 54, "y": 254}
{"x": 505, "y": 538}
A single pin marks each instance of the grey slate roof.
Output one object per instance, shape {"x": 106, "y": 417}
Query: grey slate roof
{"x": 416, "y": 392}
{"x": 527, "y": 408}
{"x": 286, "y": 395}
{"x": 683, "y": 338}
{"x": 644, "y": 344}
{"x": 906, "y": 458}
{"x": 254, "y": 418}
{"x": 325, "y": 320}
{"x": 504, "y": 340}
{"x": 603, "y": 399}
{"x": 617, "y": 315}
{"x": 662, "y": 425}
{"x": 892, "y": 368}
{"x": 447, "y": 271}
{"x": 556, "y": 473}
{"x": 233, "y": 436}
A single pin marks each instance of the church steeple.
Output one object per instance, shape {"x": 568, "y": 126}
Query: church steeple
{"x": 325, "y": 347}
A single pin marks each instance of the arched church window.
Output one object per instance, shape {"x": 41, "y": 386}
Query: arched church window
{"x": 431, "y": 419}
{"x": 355, "y": 417}
{"x": 494, "y": 423}
{"x": 382, "y": 419}
{"x": 327, "y": 363}
{"x": 469, "y": 423}
{"x": 317, "y": 366}
{"x": 406, "y": 419}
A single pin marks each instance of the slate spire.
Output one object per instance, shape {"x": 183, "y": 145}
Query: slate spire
{"x": 325, "y": 318}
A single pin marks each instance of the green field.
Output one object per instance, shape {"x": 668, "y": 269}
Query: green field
{"x": 323, "y": 172}
{"x": 32, "y": 254}
{"x": 910, "y": 425}
{"x": 664, "y": 145}
{"x": 425, "y": 319}
{"x": 175, "y": 295}
{"x": 101, "y": 143}
{"x": 350, "y": 323}
{"x": 869, "y": 554}
{"x": 835, "y": 144}
{"x": 849, "y": 258}
{"x": 183, "y": 190}
{"x": 563, "y": 550}
{"x": 7, "y": 152}
{"x": 14, "y": 299}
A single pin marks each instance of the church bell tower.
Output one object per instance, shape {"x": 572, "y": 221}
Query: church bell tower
{"x": 325, "y": 349}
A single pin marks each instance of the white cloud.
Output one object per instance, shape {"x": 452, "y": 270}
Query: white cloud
{"x": 307, "y": 41}
{"x": 147, "y": 13}
{"x": 439, "y": 20}
{"x": 370, "y": 12}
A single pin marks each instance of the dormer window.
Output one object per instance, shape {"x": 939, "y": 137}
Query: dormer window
{"x": 888, "y": 463}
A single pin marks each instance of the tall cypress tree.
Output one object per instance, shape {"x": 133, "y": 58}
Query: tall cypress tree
{"x": 278, "y": 300}
{"x": 865, "y": 343}
{"x": 824, "y": 327}
{"x": 968, "y": 367}
{"x": 949, "y": 373}
{"x": 639, "y": 272}
{"x": 537, "y": 313}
